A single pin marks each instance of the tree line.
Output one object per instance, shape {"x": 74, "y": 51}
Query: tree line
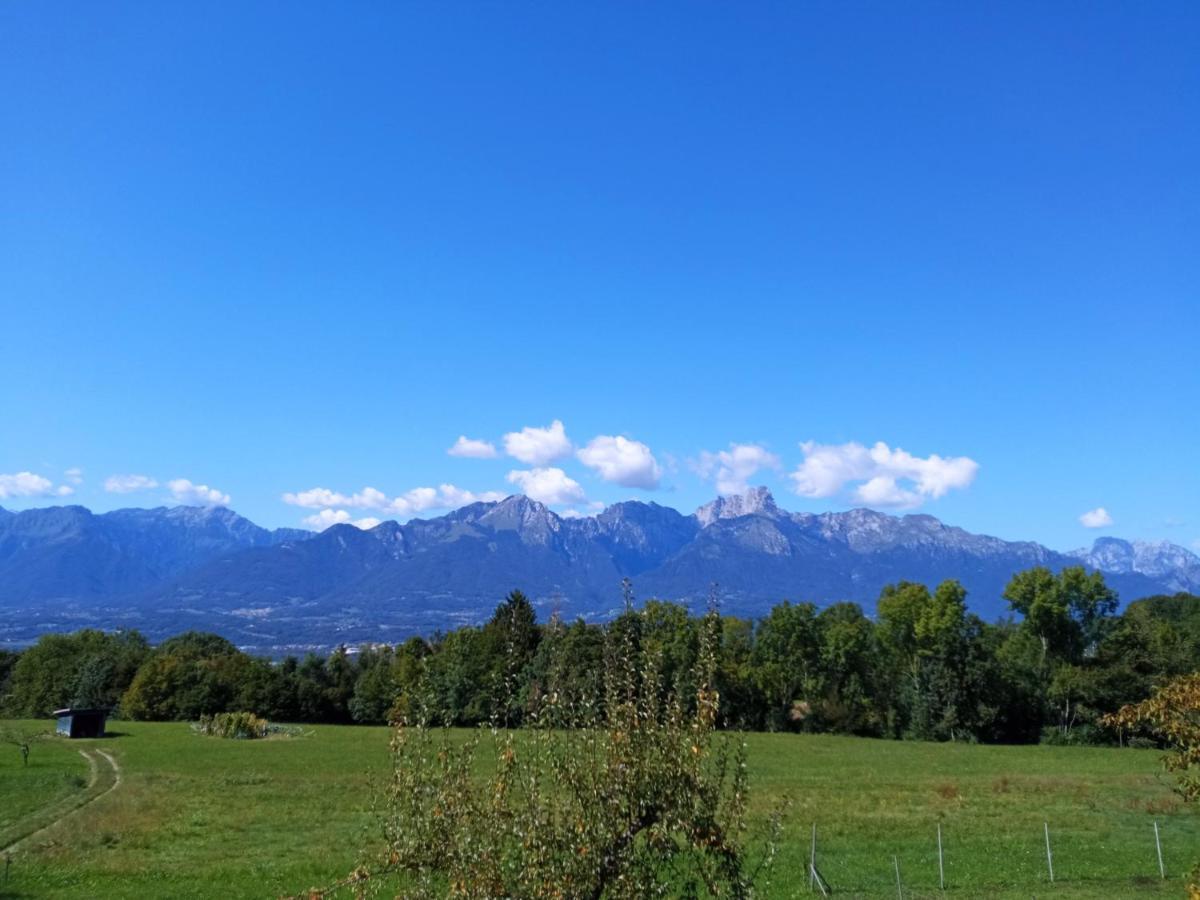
{"x": 922, "y": 667}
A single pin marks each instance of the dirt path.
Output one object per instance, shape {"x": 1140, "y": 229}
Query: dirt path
{"x": 103, "y": 780}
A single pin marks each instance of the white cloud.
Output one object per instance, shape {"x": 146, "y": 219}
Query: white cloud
{"x": 419, "y": 499}
{"x": 27, "y": 484}
{"x": 732, "y": 469}
{"x": 473, "y": 449}
{"x": 573, "y": 512}
{"x": 622, "y": 461}
{"x": 327, "y": 517}
{"x": 318, "y": 497}
{"x": 453, "y": 497}
{"x": 1096, "y": 518}
{"x": 74, "y": 475}
{"x": 538, "y": 446}
{"x": 882, "y": 490}
{"x": 828, "y": 469}
{"x": 551, "y": 486}
{"x": 186, "y": 492}
{"x": 127, "y": 484}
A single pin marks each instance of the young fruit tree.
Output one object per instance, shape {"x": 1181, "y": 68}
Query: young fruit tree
{"x": 624, "y": 791}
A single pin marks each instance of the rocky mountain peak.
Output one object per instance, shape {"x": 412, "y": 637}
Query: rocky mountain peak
{"x": 1177, "y": 567}
{"x": 529, "y": 518}
{"x": 756, "y": 501}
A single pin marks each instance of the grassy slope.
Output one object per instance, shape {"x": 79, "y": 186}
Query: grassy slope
{"x": 55, "y": 773}
{"x": 201, "y": 817}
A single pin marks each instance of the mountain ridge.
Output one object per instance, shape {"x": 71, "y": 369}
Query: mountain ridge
{"x": 213, "y": 568}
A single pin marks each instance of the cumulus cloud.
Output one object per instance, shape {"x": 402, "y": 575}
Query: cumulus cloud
{"x": 27, "y": 484}
{"x": 574, "y": 512}
{"x": 127, "y": 484}
{"x": 622, "y": 461}
{"x": 1096, "y": 518}
{"x": 315, "y": 498}
{"x": 883, "y": 476}
{"x": 473, "y": 449}
{"x": 74, "y": 475}
{"x": 327, "y": 517}
{"x": 882, "y": 490}
{"x": 538, "y": 446}
{"x": 551, "y": 485}
{"x": 419, "y": 499}
{"x": 732, "y": 469}
{"x": 453, "y": 497}
{"x": 186, "y": 492}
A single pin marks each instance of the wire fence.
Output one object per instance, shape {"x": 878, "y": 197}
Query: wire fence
{"x": 1122, "y": 861}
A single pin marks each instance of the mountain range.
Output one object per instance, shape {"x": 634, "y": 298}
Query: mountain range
{"x": 167, "y": 569}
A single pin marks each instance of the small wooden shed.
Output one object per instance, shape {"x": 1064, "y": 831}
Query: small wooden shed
{"x": 81, "y": 723}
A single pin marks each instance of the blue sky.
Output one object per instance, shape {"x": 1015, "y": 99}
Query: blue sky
{"x": 272, "y": 248}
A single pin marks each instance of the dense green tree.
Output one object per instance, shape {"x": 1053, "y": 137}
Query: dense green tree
{"x": 342, "y": 672}
{"x": 8, "y": 659}
{"x": 375, "y": 686}
{"x": 787, "y": 665}
{"x": 87, "y": 667}
{"x": 459, "y": 678}
{"x": 567, "y": 666}
{"x": 924, "y": 668}
{"x": 509, "y": 641}
{"x": 1068, "y": 615}
{"x": 849, "y": 654}
{"x": 897, "y": 612}
{"x": 408, "y": 674}
{"x": 741, "y": 701}
{"x": 935, "y": 658}
{"x": 669, "y": 634}
{"x": 186, "y": 677}
{"x": 1170, "y": 629}
{"x": 1067, "y": 612}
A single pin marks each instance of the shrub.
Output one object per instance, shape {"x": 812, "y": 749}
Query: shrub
{"x": 240, "y": 726}
{"x": 626, "y": 794}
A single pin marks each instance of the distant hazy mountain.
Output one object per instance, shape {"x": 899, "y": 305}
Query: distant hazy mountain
{"x": 214, "y": 569}
{"x": 1173, "y": 566}
{"x": 66, "y": 552}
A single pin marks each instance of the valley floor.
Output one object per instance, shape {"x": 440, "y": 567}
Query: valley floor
{"x": 203, "y": 817}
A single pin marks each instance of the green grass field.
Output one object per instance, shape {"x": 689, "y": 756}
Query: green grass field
{"x": 203, "y": 817}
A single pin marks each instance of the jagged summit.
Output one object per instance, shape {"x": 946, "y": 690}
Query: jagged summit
{"x": 207, "y": 568}
{"x": 756, "y": 501}
{"x": 534, "y": 521}
{"x": 1175, "y": 566}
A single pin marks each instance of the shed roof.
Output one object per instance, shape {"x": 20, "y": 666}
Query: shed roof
{"x": 70, "y": 711}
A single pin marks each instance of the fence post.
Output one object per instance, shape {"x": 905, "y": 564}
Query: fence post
{"x": 941, "y": 865}
{"x": 814, "y": 875}
{"x": 1049, "y": 855}
{"x": 1158, "y": 846}
{"x": 899, "y": 887}
{"x": 812, "y": 859}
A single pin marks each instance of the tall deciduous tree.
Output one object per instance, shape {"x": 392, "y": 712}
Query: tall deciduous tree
{"x": 787, "y": 663}
{"x": 87, "y": 667}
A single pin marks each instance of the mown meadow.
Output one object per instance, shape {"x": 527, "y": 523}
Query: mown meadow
{"x": 196, "y": 816}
